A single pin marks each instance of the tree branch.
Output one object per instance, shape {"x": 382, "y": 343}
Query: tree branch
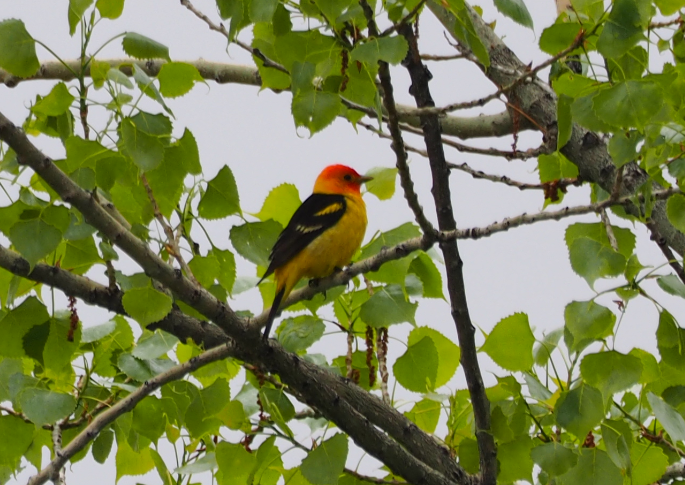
{"x": 455, "y": 279}
{"x": 396, "y": 135}
{"x": 585, "y": 149}
{"x": 463, "y": 127}
{"x": 412, "y": 454}
{"x": 125, "y": 405}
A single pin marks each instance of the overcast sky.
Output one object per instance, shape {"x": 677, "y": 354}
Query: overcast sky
{"x": 524, "y": 270}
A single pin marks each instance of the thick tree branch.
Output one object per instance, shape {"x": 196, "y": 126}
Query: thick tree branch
{"x": 455, "y": 278}
{"x": 125, "y": 405}
{"x": 349, "y": 406}
{"x": 463, "y": 127}
{"x": 586, "y": 149}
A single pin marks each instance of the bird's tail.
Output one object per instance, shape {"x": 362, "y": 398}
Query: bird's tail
{"x": 280, "y": 295}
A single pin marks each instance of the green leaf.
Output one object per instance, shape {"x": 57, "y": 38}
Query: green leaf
{"x": 149, "y": 419}
{"x": 263, "y": 11}
{"x": 141, "y": 47}
{"x": 610, "y": 371}
{"x": 670, "y": 419}
{"x": 675, "y": 210}
{"x": 85, "y": 153}
{"x": 390, "y": 238}
{"x": 431, "y": 279}
{"x": 17, "y": 49}
{"x": 277, "y": 404}
{"x": 591, "y": 253}
{"x": 558, "y": 37}
{"x": 16, "y": 324}
{"x": 629, "y": 104}
{"x": 80, "y": 255}
{"x": 388, "y": 49}
{"x": 514, "y": 459}
{"x": 166, "y": 182}
{"x": 515, "y": 10}
{"x": 554, "y": 458}
{"x": 153, "y": 124}
{"x": 299, "y": 333}
{"x": 11, "y": 450}
{"x": 146, "y": 151}
{"x": 387, "y": 306}
{"x": 185, "y": 153}
{"x": 56, "y": 103}
{"x": 206, "y": 463}
{"x": 417, "y": 368}
{"x": 554, "y": 167}
{"x": 466, "y": 33}
{"x": 650, "y": 367}
{"x": 448, "y": 352}
{"x": 580, "y": 410}
{"x": 383, "y": 183}
{"x": 622, "y": 147}
{"x": 254, "y": 240}
{"x": 235, "y": 464}
{"x": 586, "y": 321}
{"x": 46, "y": 407}
{"x": 280, "y": 204}
{"x": 146, "y": 85}
{"x": 110, "y": 9}
{"x": 142, "y": 370}
{"x": 671, "y": 284}
{"x": 594, "y": 467}
{"x": 177, "y": 78}
{"x": 154, "y": 345}
{"x": 76, "y": 10}
{"x": 315, "y": 110}
{"x": 325, "y": 463}
{"x": 616, "y": 443}
{"x": 514, "y": 328}
{"x": 649, "y": 463}
{"x": 425, "y": 414}
{"x": 221, "y": 198}
{"x": 35, "y": 239}
{"x": 102, "y": 445}
{"x": 669, "y": 7}
{"x": 131, "y": 462}
{"x": 623, "y": 29}
{"x": 146, "y": 305}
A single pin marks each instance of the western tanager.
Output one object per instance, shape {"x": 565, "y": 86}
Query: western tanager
{"x": 322, "y": 235}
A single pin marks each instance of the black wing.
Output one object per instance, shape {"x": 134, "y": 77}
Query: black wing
{"x": 316, "y": 214}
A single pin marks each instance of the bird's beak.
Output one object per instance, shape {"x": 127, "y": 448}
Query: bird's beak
{"x": 363, "y": 179}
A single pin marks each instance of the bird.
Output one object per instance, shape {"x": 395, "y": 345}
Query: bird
{"x": 322, "y": 236}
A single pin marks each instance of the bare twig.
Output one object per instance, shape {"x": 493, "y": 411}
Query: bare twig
{"x": 382, "y": 353}
{"x": 396, "y": 135}
{"x": 450, "y": 57}
{"x": 666, "y": 250}
{"x": 610, "y": 231}
{"x": 505, "y": 89}
{"x": 222, "y": 30}
{"x": 172, "y": 246}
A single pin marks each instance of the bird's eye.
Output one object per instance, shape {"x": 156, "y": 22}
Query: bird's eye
{"x": 348, "y": 177}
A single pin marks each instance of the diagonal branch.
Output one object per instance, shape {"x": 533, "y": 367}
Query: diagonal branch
{"x": 408, "y": 452}
{"x": 455, "y": 279}
{"x": 586, "y": 149}
{"x": 396, "y": 135}
{"x": 125, "y": 405}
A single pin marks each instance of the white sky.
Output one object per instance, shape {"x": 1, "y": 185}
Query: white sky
{"x": 524, "y": 270}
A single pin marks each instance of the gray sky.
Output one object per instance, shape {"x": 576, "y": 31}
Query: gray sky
{"x": 524, "y": 270}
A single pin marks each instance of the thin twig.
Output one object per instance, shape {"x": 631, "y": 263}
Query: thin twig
{"x": 382, "y": 354}
{"x": 610, "y": 231}
{"x": 505, "y": 89}
{"x": 124, "y": 406}
{"x": 172, "y": 246}
{"x": 222, "y": 30}
{"x": 396, "y": 135}
{"x": 666, "y": 250}
{"x": 450, "y": 57}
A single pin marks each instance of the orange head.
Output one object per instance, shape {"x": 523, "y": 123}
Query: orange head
{"x": 339, "y": 179}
